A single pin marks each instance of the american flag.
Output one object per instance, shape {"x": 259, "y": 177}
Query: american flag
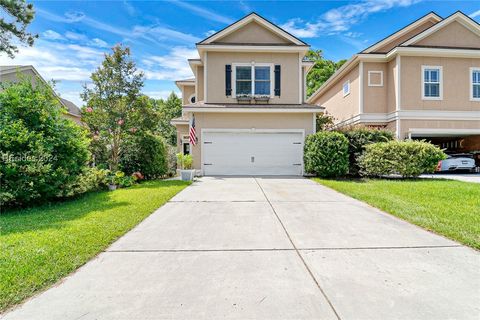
{"x": 192, "y": 133}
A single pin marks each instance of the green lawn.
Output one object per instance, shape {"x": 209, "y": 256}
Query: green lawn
{"x": 39, "y": 246}
{"x": 447, "y": 207}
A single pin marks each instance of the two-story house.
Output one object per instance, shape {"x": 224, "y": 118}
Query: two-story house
{"x": 247, "y": 101}
{"x": 422, "y": 82}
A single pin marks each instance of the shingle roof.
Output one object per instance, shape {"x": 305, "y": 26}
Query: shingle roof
{"x": 72, "y": 108}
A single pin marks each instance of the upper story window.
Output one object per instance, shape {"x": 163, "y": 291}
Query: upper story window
{"x": 254, "y": 79}
{"x": 243, "y": 80}
{"x": 346, "y": 88}
{"x": 475, "y": 84}
{"x": 262, "y": 81}
{"x": 431, "y": 83}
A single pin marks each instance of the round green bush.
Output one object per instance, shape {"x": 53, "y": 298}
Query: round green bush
{"x": 43, "y": 155}
{"x": 326, "y": 154}
{"x": 358, "y": 139}
{"x": 145, "y": 153}
{"x": 406, "y": 158}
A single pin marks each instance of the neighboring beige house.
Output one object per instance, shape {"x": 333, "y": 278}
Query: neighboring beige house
{"x": 247, "y": 98}
{"x": 423, "y": 81}
{"x": 10, "y": 74}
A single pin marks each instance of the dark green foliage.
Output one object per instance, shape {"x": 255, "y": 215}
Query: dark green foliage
{"x": 326, "y": 154}
{"x": 43, "y": 155}
{"x": 324, "y": 121}
{"x": 406, "y": 158}
{"x": 145, "y": 153}
{"x": 358, "y": 139}
{"x": 22, "y": 14}
{"x": 169, "y": 109}
{"x": 321, "y": 71}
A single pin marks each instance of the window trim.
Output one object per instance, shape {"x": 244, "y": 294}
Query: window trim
{"x": 348, "y": 86}
{"x": 440, "y": 86}
{"x": 252, "y": 65}
{"x": 370, "y": 84}
{"x": 470, "y": 75}
{"x": 185, "y": 140}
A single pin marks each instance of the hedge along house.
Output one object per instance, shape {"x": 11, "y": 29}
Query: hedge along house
{"x": 11, "y": 74}
{"x": 422, "y": 82}
{"x": 248, "y": 100}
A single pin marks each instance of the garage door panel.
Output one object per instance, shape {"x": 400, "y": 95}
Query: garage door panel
{"x": 242, "y": 153}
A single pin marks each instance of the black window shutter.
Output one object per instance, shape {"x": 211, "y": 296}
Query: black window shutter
{"x": 277, "y": 80}
{"x": 228, "y": 80}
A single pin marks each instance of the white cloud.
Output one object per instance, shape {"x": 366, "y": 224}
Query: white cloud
{"x": 342, "y": 18}
{"x": 172, "y": 66}
{"x": 58, "y": 61}
{"x": 75, "y": 36}
{"x": 96, "y": 42}
{"x": 161, "y": 94}
{"x": 474, "y": 14}
{"x": 161, "y": 34}
{"x": 52, "y": 35}
{"x": 129, "y": 8}
{"x": 74, "y": 16}
{"x": 209, "y": 33}
{"x": 204, "y": 13}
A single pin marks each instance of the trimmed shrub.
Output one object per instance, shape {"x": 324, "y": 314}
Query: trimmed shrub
{"x": 42, "y": 154}
{"x": 406, "y": 158}
{"x": 358, "y": 139}
{"x": 326, "y": 154}
{"x": 145, "y": 153}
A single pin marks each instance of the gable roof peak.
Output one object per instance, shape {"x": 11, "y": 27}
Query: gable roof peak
{"x": 397, "y": 34}
{"x": 457, "y": 16}
{"x": 253, "y": 16}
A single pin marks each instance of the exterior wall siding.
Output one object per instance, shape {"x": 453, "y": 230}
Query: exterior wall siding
{"x": 375, "y": 97}
{"x": 186, "y": 93}
{"x": 253, "y": 33}
{"x": 290, "y": 74}
{"x": 456, "y": 84}
{"x": 406, "y": 125}
{"x": 340, "y": 107}
{"x": 452, "y": 35}
{"x": 200, "y": 83}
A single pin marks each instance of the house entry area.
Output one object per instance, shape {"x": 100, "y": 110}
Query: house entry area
{"x": 252, "y": 152}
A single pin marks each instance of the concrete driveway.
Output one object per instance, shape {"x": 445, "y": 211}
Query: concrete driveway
{"x": 269, "y": 248}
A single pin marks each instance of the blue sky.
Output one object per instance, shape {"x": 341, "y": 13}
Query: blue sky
{"x": 162, "y": 34}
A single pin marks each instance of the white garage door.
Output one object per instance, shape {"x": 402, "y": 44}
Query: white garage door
{"x": 247, "y": 153}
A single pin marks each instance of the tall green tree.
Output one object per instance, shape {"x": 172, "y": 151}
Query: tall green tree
{"x": 169, "y": 109}
{"x": 321, "y": 71}
{"x": 13, "y": 25}
{"x": 115, "y": 107}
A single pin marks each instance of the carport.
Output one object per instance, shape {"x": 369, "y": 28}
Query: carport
{"x": 452, "y": 140}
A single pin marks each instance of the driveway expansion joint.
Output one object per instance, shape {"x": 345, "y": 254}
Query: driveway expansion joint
{"x": 298, "y": 253}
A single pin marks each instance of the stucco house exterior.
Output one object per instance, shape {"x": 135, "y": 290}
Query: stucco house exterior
{"x": 10, "y": 74}
{"x": 248, "y": 101}
{"x": 422, "y": 81}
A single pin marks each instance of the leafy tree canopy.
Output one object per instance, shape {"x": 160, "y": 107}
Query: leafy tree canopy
{"x": 115, "y": 107}
{"x": 19, "y": 15}
{"x": 169, "y": 109}
{"x": 321, "y": 71}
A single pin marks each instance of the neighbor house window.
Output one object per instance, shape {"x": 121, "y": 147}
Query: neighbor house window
{"x": 254, "y": 79}
{"x": 346, "y": 88}
{"x": 432, "y": 83}
{"x": 474, "y": 84}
